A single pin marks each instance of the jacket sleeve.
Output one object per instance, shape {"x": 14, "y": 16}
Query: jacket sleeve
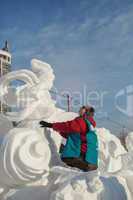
{"x": 68, "y": 127}
{"x": 64, "y": 135}
{"x": 92, "y": 121}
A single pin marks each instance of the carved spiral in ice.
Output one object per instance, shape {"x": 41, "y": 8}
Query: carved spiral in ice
{"x": 24, "y": 156}
{"x": 32, "y": 98}
{"x": 6, "y": 92}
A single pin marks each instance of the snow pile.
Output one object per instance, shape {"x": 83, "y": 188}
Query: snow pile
{"x": 30, "y": 167}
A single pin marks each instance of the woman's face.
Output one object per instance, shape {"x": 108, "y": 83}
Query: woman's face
{"x": 82, "y": 111}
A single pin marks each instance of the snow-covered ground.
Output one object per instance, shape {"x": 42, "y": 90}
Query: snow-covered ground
{"x": 30, "y": 167}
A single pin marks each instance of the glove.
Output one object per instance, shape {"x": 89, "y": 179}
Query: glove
{"x": 46, "y": 124}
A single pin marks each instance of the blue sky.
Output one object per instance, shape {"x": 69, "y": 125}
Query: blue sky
{"x": 89, "y": 43}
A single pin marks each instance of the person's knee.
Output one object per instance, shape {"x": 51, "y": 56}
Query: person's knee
{"x": 92, "y": 167}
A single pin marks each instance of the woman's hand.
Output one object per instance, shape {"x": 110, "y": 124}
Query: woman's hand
{"x": 45, "y": 124}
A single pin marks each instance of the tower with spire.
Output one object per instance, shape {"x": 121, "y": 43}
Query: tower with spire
{"x": 5, "y": 67}
{"x": 5, "y": 60}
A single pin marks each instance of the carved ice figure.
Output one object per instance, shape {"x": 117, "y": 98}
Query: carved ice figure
{"x": 76, "y": 185}
{"x": 110, "y": 152}
{"x": 90, "y": 186}
{"x": 33, "y": 95}
{"x": 24, "y": 157}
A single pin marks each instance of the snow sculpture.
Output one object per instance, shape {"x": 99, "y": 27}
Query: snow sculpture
{"x": 24, "y": 156}
{"x": 28, "y": 153}
{"x": 110, "y": 152}
{"x": 37, "y": 88}
{"x": 76, "y": 185}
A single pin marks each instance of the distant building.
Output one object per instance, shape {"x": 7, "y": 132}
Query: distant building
{"x": 5, "y": 67}
{"x": 5, "y": 60}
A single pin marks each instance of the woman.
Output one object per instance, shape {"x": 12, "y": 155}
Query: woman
{"x": 81, "y": 149}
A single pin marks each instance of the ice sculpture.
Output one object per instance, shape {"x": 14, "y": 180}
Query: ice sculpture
{"x": 29, "y": 153}
{"x": 25, "y": 156}
{"x": 37, "y": 86}
{"x": 110, "y": 152}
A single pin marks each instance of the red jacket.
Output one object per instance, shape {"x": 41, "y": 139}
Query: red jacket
{"x": 78, "y": 125}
